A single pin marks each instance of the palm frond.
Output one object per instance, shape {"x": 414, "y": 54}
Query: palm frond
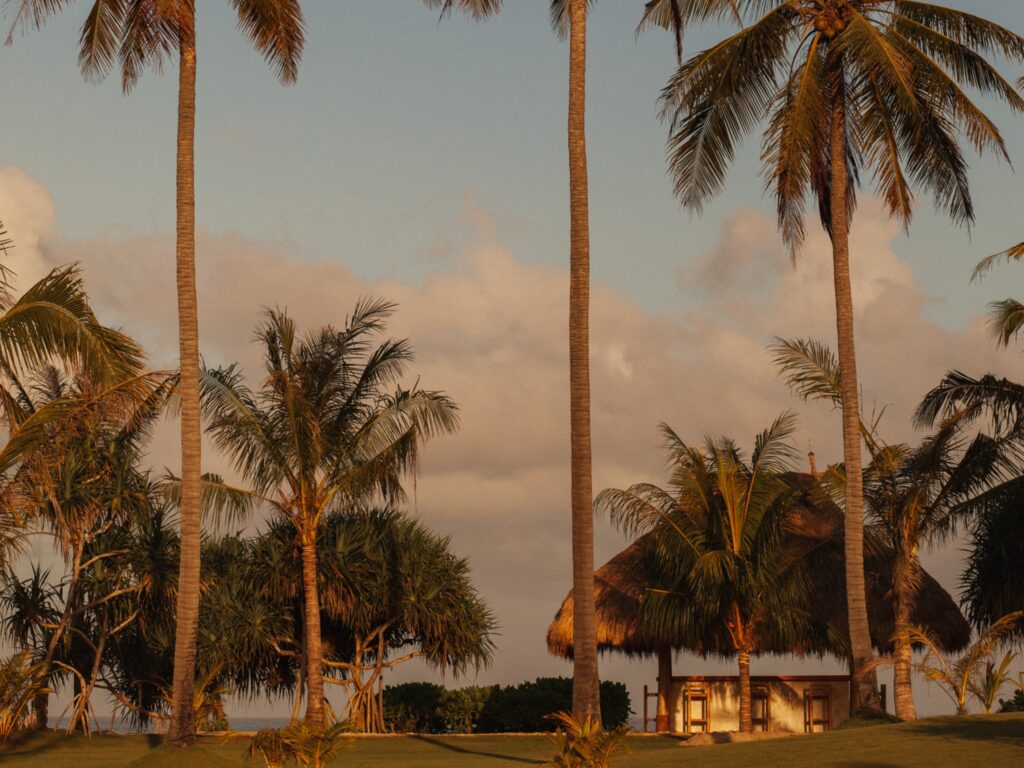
{"x": 1014, "y": 253}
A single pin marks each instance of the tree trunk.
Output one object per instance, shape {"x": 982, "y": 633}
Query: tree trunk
{"x": 314, "y": 648}
{"x": 746, "y": 720}
{"x": 41, "y": 711}
{"x": 863, "y": 686}
{"x": 586, "y": 685}
{"x": 182, "y": 730}
{"x": 903, "y": 693}
{"x": 41, "y": 716}
{"x": 662, "y": 720}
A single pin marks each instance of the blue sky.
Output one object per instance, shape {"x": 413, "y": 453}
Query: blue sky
{"x": 397, "y": 121}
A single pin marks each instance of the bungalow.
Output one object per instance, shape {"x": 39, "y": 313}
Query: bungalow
{"x": 804, "y": 703}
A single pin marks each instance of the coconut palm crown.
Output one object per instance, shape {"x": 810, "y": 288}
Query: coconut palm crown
{"x": 327, "y": 430}
{"x": 899, "y": 68}
{"x": 726, "y": 581}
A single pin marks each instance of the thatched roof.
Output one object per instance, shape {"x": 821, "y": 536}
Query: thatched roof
{"x": 816, "y": 523}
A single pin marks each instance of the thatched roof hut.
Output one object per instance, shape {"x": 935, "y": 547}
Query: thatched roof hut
{"x": 816, "y": 523}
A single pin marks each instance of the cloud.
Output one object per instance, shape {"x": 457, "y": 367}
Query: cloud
{"x": 492, "y": 331}
{"x": 27, "y": 211}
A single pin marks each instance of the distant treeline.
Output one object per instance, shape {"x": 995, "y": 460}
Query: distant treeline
{"x": 523, "y": 708}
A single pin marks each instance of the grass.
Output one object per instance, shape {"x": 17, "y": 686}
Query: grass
{"x": 992, "y": 742}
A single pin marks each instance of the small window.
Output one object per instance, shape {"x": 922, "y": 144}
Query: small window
{"x": 697, "y": 711}
{"x": 817, "y": 710}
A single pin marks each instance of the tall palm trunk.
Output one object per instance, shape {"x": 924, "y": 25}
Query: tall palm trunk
{"x": 314, "y": 646}
{"x": 746, "y": 719}
{"x": 903, "y": 692}
{"x": 182, "y": 727}
{"x": 585, "y": 687}
{"x": 863, "y": 688}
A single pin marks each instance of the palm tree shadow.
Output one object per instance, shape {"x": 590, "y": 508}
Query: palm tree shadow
{"x": 463, "y": 750}
{"x": 1003, "y": 730}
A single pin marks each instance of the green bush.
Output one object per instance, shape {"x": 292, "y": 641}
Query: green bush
{"x": 414, "y": 708}
{"x": 462, "y": 708}
{"x": 527, "y": 707}
{"x": 1016, "y": 704}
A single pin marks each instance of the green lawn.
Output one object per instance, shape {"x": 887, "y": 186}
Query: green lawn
{"x": 988, "y": 742}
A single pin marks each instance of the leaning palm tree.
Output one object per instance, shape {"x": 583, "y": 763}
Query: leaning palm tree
{"x": 726, "y": 582}
{"x": 850, "y": 87}
{"x": 133, "y": 35}
{"x": 322, "y": 433}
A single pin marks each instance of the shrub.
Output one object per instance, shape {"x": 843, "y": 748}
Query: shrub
{"x": 1016, "y": 704}
{"x": 527, "y": 707}
{"x": 583, "y": 743}
{"x": 414, "y": 708}
{"x": 461, "y": 709}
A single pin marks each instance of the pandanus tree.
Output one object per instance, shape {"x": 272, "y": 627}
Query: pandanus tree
{"x": 850, "y": 88}
{"x": 726, "y": 583}
{"x": 390, "y": 591}
{"x": 132, "y": 35}
{"x": 916, "y": 495}
{"x": 77, "y": 480}
{"x": 328, "y": 429}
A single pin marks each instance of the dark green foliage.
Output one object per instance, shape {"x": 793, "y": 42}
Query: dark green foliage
{"x": 523, "y": 708}
{"x": 865, "y": 718}
{"x": 414, "y": 708}
{"x": 1016, "y": 704}
{"x": 463, "y": 707}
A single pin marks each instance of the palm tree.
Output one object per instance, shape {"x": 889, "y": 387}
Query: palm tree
{"x": 727, "y": 582}
{"x": 957, "y": 676}
{"x": 53, "y": 322}
{"x": 321, "y": 434}
{"x": 570, "y": 17}
{"x": 915, "y": 496}
{"x": 1007, "y": 315}
{"x": 986, "y": 689}
{"x": 849, "y": 86}
{"x": 135, "y": 34}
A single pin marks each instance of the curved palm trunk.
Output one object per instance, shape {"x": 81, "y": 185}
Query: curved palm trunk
{"x": 182, "y": 726}
{"x": 746, "y": 719}
{"x": 903, "y": 692}
{"x": 314, "y": 646}
{"x": 586, "y": 686}
{"x": 863, "y": 688}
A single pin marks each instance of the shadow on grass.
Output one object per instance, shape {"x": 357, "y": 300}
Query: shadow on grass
{"x": 1003, "y": 730}
{"x": 463, "y": 750}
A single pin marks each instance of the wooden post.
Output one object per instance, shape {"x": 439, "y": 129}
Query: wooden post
{"x": 662, "y": 719}
{"x": 646, "y": 718}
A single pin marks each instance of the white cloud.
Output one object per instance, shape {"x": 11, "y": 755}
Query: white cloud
{"x": 491, "y": 330}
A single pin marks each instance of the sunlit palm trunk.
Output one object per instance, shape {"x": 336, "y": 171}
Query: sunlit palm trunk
{"x": 314, "y": 647}
{"x": 663, "y": 715}
{"x": 586, "y": 687}
{"x": 182, "y": 726}
{"x": 864, "y": 692}
{"x": 903, "y": 692}
{"x": 746, "y": 722}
